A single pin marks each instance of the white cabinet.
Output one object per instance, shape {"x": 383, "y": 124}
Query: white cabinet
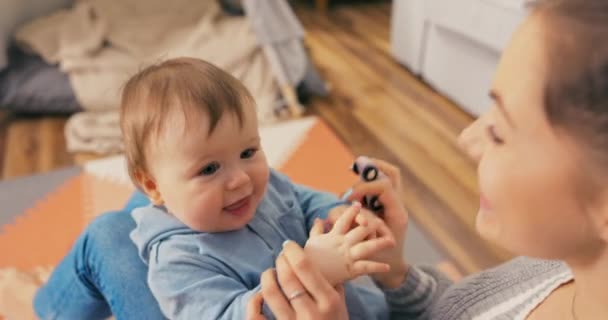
{"x": 455, "y": 44}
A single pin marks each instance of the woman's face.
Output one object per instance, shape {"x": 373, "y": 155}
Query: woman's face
{"x": 530, "y": 175}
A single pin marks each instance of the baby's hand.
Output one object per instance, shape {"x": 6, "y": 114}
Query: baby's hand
{"x": 343, "y": 253}
{"x": 365, "y": 216}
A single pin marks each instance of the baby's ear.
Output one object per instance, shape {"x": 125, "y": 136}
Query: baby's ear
{"x": 148, "y": 185}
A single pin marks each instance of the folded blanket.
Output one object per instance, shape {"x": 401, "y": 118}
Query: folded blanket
{"x": 101, "y": 43}
{"x": 94, "y": 132}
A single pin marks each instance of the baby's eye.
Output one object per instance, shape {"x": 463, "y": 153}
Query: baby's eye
{"x": 210, "y": 169}
{"x": 249, "y": 153}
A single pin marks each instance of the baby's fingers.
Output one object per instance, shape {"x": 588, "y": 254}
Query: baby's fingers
{"x": 372, "y": 221}
{"x": 366, "y": 249}
{"x": 345, "y": 221}
{"x": 358, "y": 234}
{"x": 364, "y": 267}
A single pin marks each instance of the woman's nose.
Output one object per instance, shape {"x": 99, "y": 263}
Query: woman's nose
{"x": 471, "y": 139}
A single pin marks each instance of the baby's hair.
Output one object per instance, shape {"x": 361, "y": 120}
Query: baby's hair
{"x": 185, "y": 85}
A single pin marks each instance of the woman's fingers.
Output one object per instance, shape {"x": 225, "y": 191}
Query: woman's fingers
{"x": 345, "y": 221}
{"x": 293, "y": 289}
{"x": 340, "y": 290}
{"x": 386, "y": 195}
{"x": 375, "y": 188}
{"x": 254, "y": 307}
{"x": 311, "y": 278}
{"x": 391, "y": 171}
{"x": 318, "y": 228}
{"x": 274, "y": 297}
{"x": 382, "y": 230}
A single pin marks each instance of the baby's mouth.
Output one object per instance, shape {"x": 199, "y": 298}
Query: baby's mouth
{"x": 238, "y": 206}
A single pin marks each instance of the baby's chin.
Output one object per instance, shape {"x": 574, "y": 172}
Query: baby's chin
{"x": 227, "y": 222}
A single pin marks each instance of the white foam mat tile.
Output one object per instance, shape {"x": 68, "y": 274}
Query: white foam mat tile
{"x": 112, "y": 168}
{"x": 281, "y": 140}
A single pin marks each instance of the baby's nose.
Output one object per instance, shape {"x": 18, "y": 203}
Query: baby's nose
{"x": 237, "y": 179}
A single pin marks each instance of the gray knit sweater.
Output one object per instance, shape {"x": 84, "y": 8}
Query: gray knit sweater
{"x": 509, "y": 291}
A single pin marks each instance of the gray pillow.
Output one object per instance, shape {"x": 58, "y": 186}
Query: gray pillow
{"x": 30, "y": 85}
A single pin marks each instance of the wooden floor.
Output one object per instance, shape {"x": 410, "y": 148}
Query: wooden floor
{"x": 32, "y": 145}
{"x": 376, "y": 106}
{"x": 379, "y": 108}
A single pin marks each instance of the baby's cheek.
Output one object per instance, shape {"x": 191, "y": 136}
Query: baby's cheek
{"x": 260, "y": 178}
{"x": 173, "y": 202}
{"x": 207, "y": 203}
{"x": 202, "y": 207}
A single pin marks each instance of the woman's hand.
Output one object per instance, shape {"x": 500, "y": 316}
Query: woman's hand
{"x": 297, "y": 290}
{"x": 394, "y": 215}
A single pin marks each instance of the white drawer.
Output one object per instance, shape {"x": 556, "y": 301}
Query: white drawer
{"x": 489, "y": 22}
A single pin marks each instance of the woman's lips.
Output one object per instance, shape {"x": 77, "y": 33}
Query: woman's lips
{"x": 484, "y": 204}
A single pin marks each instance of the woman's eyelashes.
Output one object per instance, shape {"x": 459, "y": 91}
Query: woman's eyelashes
{"x": 491, "y": 130}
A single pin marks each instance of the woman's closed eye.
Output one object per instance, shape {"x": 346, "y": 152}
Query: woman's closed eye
{"x": 491, "y": 130}
{"x": 209, "y": 169}
{"x": 249, "y": 153}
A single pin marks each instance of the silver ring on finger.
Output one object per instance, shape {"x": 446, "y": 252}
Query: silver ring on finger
{"x": 296, "y": 294}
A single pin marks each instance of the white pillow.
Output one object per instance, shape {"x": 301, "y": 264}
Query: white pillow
{"x": 13, "y": 13}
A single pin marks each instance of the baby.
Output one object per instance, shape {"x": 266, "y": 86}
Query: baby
{"x": 219, "y": 215}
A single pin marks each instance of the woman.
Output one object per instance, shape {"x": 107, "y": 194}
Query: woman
{"x": 542, "y": 168}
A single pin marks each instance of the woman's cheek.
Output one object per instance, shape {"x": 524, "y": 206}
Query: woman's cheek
{"x": 492, "y": 186}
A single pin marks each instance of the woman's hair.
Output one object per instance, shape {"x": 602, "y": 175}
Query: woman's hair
{"x": 576, "y": 92}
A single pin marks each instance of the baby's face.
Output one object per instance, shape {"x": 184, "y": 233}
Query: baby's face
{"x": 211, "y": 183}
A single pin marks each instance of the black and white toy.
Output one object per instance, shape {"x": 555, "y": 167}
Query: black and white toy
{"x": 367, "y": 171}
